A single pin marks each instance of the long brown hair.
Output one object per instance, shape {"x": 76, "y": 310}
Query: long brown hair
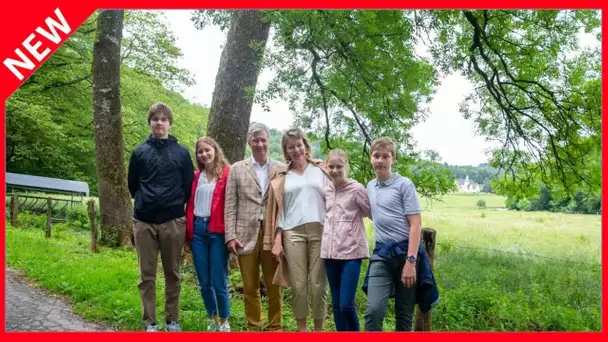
{"x": 219, "y": 161}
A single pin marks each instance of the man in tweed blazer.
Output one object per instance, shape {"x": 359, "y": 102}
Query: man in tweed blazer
{"x": 246, "y": 196}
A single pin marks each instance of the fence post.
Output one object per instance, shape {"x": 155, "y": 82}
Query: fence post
{"x": 423, "y": 320}
{"x": 92, "y": 220}
{"x": 49, "y": 215}
{"x": 14, "y": 210}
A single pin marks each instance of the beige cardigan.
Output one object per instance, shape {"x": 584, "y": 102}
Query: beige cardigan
{"x": 274, "y": 206}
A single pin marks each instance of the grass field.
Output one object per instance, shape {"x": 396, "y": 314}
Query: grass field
{"x": 497, "y": 271}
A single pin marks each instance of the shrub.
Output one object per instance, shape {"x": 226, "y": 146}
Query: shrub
{"x": 523, "y": 204}
{"x": 511, "y": 203}
{"x": 27, "y": 220}
{"x": 481, "y": 204}
{"x": 78, "y": 217}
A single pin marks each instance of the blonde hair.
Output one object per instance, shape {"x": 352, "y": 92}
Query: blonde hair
{"x": 340, "y": 153}
{"x": 219, "y": 161}
{"x": 384, "y": 142}
{"x": 294, "y": 133}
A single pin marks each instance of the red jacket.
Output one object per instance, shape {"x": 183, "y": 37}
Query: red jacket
{"x": 217, "y": 205}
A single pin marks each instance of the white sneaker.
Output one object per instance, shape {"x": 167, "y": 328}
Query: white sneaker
{"x": 151, "y": 328}
{"x": 172, "y": 327}
{"x": 224, "y": 326}
{"x": 212, "y": 326}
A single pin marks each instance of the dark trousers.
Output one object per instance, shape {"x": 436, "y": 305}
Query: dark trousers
{"x": 343, "y": 278}
{"x": 384, "y": 280}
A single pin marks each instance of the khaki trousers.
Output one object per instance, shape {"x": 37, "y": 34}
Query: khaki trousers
{"x": 168, "y": 239}
{"x": 250, "y": 272}
{"x": 302, "y": 246}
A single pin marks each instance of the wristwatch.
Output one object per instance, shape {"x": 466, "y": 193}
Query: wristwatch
{"x": 411, "y": 259}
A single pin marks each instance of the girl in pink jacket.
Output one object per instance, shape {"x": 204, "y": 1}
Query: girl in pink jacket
{"x": 344, "y": 242}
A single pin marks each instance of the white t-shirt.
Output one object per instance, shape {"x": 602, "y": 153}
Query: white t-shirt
{"x": 304, "y": 200}
{"x": 203, "y": 195}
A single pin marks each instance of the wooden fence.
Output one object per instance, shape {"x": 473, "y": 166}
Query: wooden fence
{"x": 423, "y": 320}
{"x": 51, "y": 203}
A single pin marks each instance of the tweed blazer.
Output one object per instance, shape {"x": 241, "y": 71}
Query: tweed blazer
{"x": 245, "y": 205}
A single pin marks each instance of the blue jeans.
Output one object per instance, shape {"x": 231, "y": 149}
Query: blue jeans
{"x": 210, "y": 256}
{"x": 343, "y": 278}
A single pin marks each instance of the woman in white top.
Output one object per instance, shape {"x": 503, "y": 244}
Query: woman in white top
{"x": 299, "y": 226}
{"x": 205, "y": 231}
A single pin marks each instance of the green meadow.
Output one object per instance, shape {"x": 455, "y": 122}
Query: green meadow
{"x": 497, "y": 270}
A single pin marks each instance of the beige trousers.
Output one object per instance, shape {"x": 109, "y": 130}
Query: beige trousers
{"x": 168, "y": 239}
{"x": 302, "y": 246}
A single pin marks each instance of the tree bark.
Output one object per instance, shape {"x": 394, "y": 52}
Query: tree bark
{"x": 114, "y": 198}
{"x": 235, "y": 82}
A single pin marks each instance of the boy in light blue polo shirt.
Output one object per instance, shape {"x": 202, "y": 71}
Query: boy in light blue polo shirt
{"x": 393, "y": 267}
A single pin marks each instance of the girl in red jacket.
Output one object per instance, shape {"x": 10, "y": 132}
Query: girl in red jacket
{"x": 205, "y": 231}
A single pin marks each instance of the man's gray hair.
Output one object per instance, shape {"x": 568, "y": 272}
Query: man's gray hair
{"x": 256, "y": 127}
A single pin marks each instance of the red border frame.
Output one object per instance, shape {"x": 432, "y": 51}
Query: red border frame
{"x": 19, "y": 21}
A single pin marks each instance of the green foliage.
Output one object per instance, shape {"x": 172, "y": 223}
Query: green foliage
{"x": 31, "y": 221}
{"x": 78, "y": 218}
{"x": 431, "y": 179}
{"x": 481, "y": 203}
{"x": 484, "y": 291}
{"x": 352, "y": 76}
{"x": 537, "y": 90}
{"x": 581, "y": 203}
{"x": 480, "y": 290}
{"x": 523, "y": 204}
{"x": 149, "y": 47}
{"x": 49, "y": 129}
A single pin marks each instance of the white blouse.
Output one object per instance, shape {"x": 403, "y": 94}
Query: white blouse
{"x": 304, "y": 200}
{"x": 203, "y": 195}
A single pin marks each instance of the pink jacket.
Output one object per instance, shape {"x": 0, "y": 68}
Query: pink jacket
{"x": 343, "y": 231}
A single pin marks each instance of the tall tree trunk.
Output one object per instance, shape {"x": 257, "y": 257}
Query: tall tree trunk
{"x": 235, "y": 85}
{"x": 235, "y": 82}
{"x": 114, "y": 198}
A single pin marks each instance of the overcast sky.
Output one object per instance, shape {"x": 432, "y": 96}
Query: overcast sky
{"x": 445, "y": 130}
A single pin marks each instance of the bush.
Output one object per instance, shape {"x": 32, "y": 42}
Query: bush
{"x": 78, "y": 217}
{"x": 523, "y": 204}
{"x": 581, "y": 203}
{"x": 594, "y": 205}
{"x": 481, "y": 204}
{"x": 511, "y": 203}
{"x": 27, "y": 220}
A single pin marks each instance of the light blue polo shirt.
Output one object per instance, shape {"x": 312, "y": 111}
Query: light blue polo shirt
{"x": 391, "y": 201}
